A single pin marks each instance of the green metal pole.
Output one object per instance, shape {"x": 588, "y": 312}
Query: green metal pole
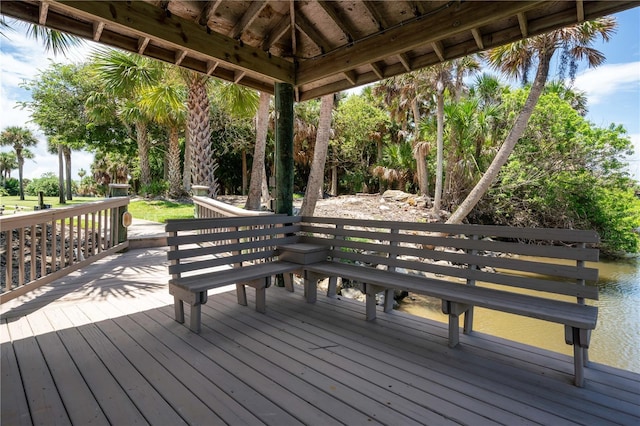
{"x": 284, "y": 96}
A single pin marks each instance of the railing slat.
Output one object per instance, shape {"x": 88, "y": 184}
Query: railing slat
{"x": 60, "y": 239}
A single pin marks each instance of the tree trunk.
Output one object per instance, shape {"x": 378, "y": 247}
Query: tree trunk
{"x": 419, "y": 153}
{"x": 199, "y": 131}
{"x": 143, "y": 153}
{"x": 519, "y": 126}
{"x": 173, "y": 160}
{"x": 440, "y": 145}
{"x": 61, "y": 175}
{"x": 66, "y": 151}
{"x": 316, "y": 176}
{"x": 334, "y": 176}
{"x": 20, "y": 176}
{"x": 188, "y": 164}
{"x": 245, "y": 172}
{"x": 257, "y": 168}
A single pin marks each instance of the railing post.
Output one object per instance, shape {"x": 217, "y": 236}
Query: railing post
{"x": 199, "y": 191}
{"x": 118, "y": 222}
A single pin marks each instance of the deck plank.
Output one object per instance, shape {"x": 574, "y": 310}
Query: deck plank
{"x": 111, "y": 326}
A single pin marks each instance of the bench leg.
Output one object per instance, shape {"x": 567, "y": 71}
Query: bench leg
{"x": 468, "y": 321}
{"x": 388, "y": 299}
{"x": 241, "y": 292}
{"x": 333, "y": 287}
{"x": 454, "y": 310}
{"x": 370, "y": 292}
{"x": 178, "y": 307}
{"x": 288, "y": 282}
{"x": 579, "y": 338}
{"x": 261, "y": 296}
{"x": 194, "y": 321}
{"x": 310, "y": 287}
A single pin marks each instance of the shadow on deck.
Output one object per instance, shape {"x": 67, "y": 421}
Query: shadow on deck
{"x": 101, "y": 347}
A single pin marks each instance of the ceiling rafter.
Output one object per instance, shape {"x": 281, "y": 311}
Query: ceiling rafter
{"x": 143, "y": 42}
{"x": 580, "y": 10}
{"x": 377, "y": 70}
{"x": 98, "y": 27}
{"x": 309, "y": 29}
{"x": 147, "y": 20}
{"x": 239, "y": 75}
{"x": 44, "y": 10}
{"x": 292, "y": 16}
{"x": 346, "y": 28}
{"x": 276, "y": 33}
{"x": 249, "y": 16}
{"x": 416, "y": 7}
{"x": 524, "y": 26}
{"x": 414, "y": 34}
{"x": 404, "y": 60}
{"x": 477, "y": 36}
{"x": 378, "y": 17}
{"x": 211, "y": 67}
{"x": 208, "y": 9}
{"x": 438, "y": 47}
{"x": 351, "y": 76}
{"x": 180, "y": 55}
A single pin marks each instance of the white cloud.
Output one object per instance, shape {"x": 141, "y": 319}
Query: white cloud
{"x": 22, "y": 59}
{"x": 608, "y": 80}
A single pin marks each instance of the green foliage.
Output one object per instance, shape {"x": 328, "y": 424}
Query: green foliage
{"x": 48, "y": 184}
{"x": 12, "y": 186}
{"x": 155, "y": 188}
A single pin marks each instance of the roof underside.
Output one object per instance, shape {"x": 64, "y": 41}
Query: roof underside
{"x": 320, "y": 47}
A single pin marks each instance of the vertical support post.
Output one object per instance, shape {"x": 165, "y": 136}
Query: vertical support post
{"x": 284, "y": 97}
{"x": 119, "y": 190}
{"x": 468, "y": 316}
{"x": 585, "y": 350}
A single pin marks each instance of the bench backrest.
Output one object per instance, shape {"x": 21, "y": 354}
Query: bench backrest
{"x": 483, "y": 255}
{"x": 197, "y": 245}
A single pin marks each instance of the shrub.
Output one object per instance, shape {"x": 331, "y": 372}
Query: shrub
{"x": 48, "y": 184}
{"x": 12, "y": 186}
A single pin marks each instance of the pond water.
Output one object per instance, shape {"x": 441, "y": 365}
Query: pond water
{"x": 615, "y": 341}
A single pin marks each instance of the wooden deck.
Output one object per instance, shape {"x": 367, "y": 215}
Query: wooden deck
{"x": 101, "y": 347}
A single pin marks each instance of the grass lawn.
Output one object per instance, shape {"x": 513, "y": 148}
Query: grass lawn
{"x": 156, "y": 210}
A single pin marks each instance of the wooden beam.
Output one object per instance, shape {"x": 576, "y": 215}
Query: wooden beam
{"x": 346, "y": 28}
{"x": 409, "y": 36}
{"x": 249, "y": 16}
{"x": 276, "y": 33}
{"x": 439, "y": 49}
{"x": 143, "y": 42}
{"x": 208, "y": 9}
{"x": 211, "y": 67}
{"x": 352, "y": 76}
{"x": 292, "y": 16}
{"x": 44, "y": 10}
{"x": 522, "y": 21}
{"x": 404, "y": 60}
{"x": 310, "y": 30}
{"x": 149, "y": 21}
{"x": 239, "y": 75}
{"x": 378, "y": 17}
{"x": 416, "y": 7}
{"x": 377, "y": 70}
{"x": 580, "y": 10}
{"x": 284, "y": 148}
{"x": 97, "y": 30}
{"x": 478, "y": 38}
{"x": 180, "y": 55}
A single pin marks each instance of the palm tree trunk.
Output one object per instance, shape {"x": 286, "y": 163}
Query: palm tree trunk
{"x": 440, "y": 145}
{"x": 257, "y": 168}
{"x": 173, "y": 160}
{"x": 61, "y": 175}
{"x": 143, "y": 153}
{"x": 245, "y": 172}
{"x": 419, "y": 153}
{"x": 519, "y": 126}
{"x": 316, "y": 176}
{"x": 20, "y": 174}
{"x": 200, "y": 134}
{"x": 66, "y": 151}
{"x": 188, "y": 162}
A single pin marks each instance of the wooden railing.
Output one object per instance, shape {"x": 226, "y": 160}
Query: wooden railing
{"x": 39, "y": 247}
{"x": 206, "y": 208}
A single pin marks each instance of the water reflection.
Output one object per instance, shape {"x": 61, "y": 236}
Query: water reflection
{"x": 615, "y": 341}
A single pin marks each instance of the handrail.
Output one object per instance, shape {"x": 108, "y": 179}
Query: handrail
{"x": 37, "y": 248}
{"x": 206, "y": 207}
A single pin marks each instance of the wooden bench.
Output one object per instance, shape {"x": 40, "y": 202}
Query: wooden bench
{"x": 464, "y": 266}
{"x": 205, "y": 254}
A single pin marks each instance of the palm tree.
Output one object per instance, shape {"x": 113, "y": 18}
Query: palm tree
{"x": 576, "y": 98}
{"x": 316, "y": 176}
{"x": 125, "y": 76}
{"x": 8, "y": 162}
{"x": 258, "y": 166}
{"x": 20, "y": 139}
{"x": 166, "y": 104}
{"x": 514, "y": 59}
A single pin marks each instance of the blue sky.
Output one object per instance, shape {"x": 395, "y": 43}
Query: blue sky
{"x": 613, "y": 89}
